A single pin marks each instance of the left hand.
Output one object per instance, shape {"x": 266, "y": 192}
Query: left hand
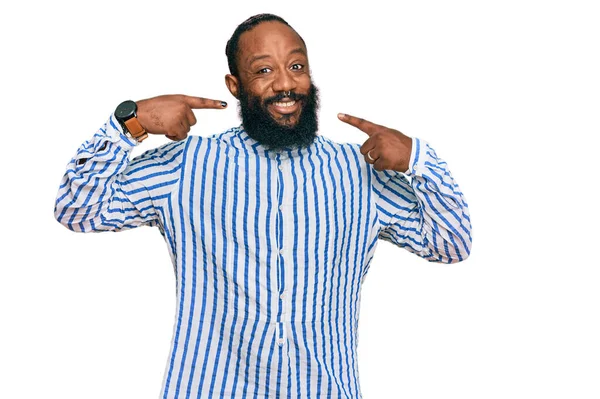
{"x": 385, "y": 148}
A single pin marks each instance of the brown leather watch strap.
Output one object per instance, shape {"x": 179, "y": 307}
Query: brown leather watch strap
{"x": 135, "y": 129}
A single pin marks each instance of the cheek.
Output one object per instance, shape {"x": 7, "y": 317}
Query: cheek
{"x": 304, "y": 82}
{"x": 258, "y": 88}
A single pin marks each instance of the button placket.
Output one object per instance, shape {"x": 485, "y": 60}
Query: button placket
{"x": 284, "y": 305}
{"x": 281, "y": 240}
{"x": 280, "y": 334}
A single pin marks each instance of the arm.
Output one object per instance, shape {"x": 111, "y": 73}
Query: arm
{"x": 419, "y": 205}
{"x": 102, "y": 190}
{"x": 423, "y": 210}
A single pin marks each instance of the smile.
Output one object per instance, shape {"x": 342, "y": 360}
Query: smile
{"x": 285, "y": 104}
{"x": 285, "y": 107}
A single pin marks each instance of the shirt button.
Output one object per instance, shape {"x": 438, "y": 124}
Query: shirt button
{"x": 280, "y": 207}
{"x": 281, "y": 251}
{"x": 282, "y": 296}
{"x": 280, "y": 167}
{"x": 280, "y": 342}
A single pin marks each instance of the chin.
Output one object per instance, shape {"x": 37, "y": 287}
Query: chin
{"x": 290, "y": 120}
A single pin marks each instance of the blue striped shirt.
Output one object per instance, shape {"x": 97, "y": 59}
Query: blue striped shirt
{"x": 270, "y": 249}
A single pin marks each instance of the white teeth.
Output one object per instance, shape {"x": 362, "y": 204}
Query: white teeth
{"x": 285, "y": 104}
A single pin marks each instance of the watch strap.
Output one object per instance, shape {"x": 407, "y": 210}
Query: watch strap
{"x": 136, "y": 130}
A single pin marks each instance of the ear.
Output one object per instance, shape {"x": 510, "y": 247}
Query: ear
{"x": 232, "y": 84}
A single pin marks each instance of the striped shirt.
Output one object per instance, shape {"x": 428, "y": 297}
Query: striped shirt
{"x": 270, "y": 249}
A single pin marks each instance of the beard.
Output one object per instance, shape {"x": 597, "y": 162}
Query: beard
{"x": 262, "y": 126}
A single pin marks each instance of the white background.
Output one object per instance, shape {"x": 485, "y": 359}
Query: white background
{"x": 507, "y": 92}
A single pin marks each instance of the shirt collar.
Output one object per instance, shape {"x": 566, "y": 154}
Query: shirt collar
{"x": 254, "y": 146}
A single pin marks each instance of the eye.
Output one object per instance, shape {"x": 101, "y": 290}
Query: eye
{"x": 264, "y": 70}
{"x": 297, "y": 67}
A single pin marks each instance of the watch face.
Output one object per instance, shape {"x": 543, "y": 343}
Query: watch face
{"x": 126, "y": 110}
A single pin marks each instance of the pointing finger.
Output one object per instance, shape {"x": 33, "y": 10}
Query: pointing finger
{"x": 362, "y": 124}
{"x": 203, "y": 103}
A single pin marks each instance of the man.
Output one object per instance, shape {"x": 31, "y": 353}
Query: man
{"x": 271, "y": 227}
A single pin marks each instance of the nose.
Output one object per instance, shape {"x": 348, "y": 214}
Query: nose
{"x": 284, "y": 81}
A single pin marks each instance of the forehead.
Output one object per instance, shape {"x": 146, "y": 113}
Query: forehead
{"x": 270, "y": 38}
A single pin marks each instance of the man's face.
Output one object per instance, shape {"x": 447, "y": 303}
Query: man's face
{"x": 278, "y": 102}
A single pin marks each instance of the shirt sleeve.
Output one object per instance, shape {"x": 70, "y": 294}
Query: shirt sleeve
{"x": 102, "y": 190}
{"x": 423, "y": 210}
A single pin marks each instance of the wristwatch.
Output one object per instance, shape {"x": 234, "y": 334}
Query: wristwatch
{"x": 126, "y": 114}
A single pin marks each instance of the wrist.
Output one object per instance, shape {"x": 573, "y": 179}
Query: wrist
{"x": 143, "y": 114}
{"x": 126, "y": 114}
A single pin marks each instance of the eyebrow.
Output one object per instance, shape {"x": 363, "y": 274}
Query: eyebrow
{"x": 298, "y": 50}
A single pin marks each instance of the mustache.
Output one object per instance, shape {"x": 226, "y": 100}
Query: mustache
{"x": 293, "y": 96}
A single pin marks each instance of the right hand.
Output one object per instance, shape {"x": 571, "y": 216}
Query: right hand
{"x": 172, "y": 114}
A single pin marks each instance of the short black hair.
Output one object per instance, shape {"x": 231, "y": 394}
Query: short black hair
{"x": 231, "y": 49}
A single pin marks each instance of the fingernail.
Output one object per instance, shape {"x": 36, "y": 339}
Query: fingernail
{"x": 341, "y": 116}
{"x": 223, "y": 104}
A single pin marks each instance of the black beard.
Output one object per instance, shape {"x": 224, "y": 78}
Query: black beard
{"x": 262, "y": 127}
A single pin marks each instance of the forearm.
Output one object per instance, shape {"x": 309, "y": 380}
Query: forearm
{"x": 444, "y": 213}
{"x": 424, "y": 210}
{"x": 90, "y": 188}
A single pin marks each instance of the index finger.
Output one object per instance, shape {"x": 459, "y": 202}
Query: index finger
{"x": 201, "y": 103}
{"x": 359, "y": 123}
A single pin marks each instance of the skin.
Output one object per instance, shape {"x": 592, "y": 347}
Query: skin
{"x": 272, "y": 59}
{"x": 172, "y": 114}
{"x": 389, "y": 148}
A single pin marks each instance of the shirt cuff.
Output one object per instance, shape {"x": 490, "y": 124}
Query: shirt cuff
{"x": 118, "y": 136}
{"x": 414, "y": 156}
